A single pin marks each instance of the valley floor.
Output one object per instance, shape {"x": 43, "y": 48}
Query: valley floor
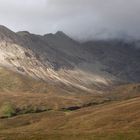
{"x": 117, "y": 120}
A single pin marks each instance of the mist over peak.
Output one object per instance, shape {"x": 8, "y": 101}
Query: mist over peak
{"x": 81, "y": 19}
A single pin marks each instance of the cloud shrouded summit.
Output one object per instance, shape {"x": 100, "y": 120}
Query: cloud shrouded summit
{"x": 84, "y": 19}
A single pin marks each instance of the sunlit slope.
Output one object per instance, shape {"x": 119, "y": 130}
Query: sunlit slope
{"x": 14, "y": 82}
{"x": 114, "y": 121}
{"x": 11, "y": 81}
{"x": 24, "y": 92}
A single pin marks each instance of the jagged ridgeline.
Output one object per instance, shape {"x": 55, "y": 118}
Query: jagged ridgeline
{"x": 56, "y": 58}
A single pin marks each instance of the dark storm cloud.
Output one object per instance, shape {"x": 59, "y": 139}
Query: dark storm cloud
{"x": 78, "y": 18}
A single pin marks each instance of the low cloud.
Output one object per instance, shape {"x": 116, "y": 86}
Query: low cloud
{"x": 81, "y": 19}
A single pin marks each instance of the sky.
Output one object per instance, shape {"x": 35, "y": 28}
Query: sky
{"x": 81, "y": 19}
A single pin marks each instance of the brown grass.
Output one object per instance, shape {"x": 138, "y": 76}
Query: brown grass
{"x": 114, "y": 115}
{"x": 117, "y": 120}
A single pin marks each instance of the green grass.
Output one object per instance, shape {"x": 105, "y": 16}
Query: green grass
{"x": 7, "y": 110}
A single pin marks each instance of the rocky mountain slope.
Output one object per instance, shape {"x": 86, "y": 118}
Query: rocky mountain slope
{"x": 121, "y": 58}
{"x": 57, "y": 58}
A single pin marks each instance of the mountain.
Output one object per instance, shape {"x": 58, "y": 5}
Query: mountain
{"x": 56, "y": 58}
{"x": 54, "y": 87}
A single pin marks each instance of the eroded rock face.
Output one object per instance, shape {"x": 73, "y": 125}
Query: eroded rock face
{"x": 58, "y": 58}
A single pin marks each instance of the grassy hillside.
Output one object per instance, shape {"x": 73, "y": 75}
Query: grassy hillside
{"x": 113, "y": 121}
{"x": 13, "y": 82}
{"x": 34, "y": 110}
{"x": 27, "y": 95}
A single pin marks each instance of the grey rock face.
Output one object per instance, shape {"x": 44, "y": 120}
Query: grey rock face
{"x": 122, "y": 59}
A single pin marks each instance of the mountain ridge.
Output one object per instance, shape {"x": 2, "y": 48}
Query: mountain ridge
{"x": 58, "y": 58}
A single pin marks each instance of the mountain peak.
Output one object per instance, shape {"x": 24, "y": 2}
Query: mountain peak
{"x": 23, "y": 33}
{"x": 4, "y": 29}
{"x": 60, "y": 33}
{"x": 7, "y": 34}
